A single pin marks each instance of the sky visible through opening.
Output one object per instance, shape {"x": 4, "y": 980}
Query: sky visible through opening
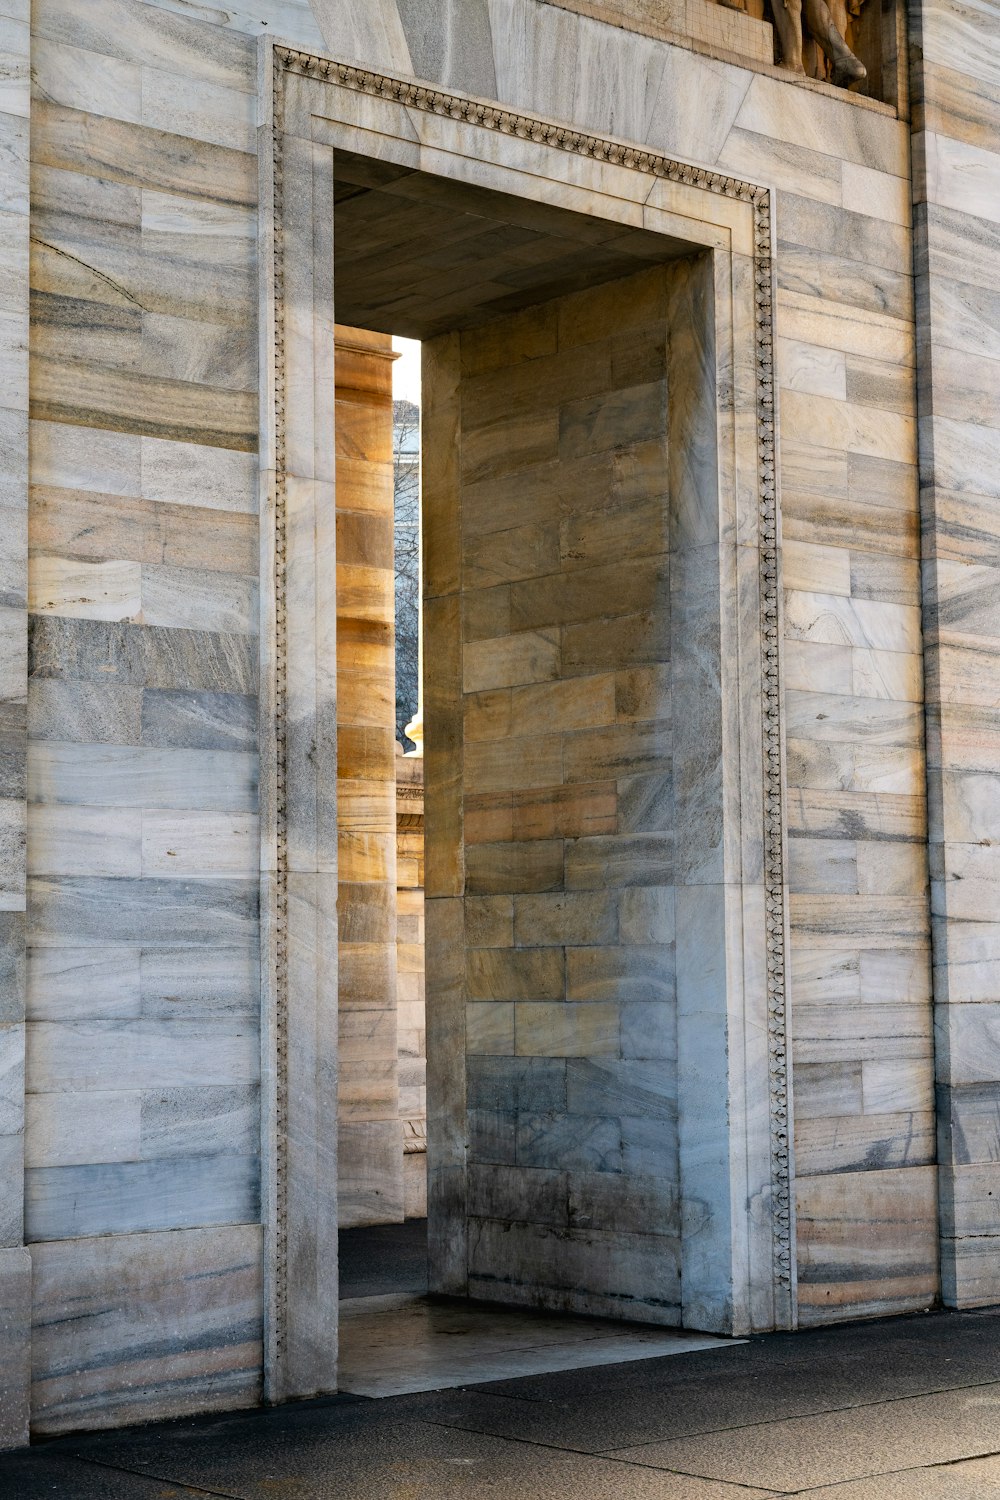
{"x": 406, "y": 370}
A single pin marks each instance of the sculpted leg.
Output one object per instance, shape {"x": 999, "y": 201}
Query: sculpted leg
{"x": 846, "y": 68}
{"x": 788, "y": 24}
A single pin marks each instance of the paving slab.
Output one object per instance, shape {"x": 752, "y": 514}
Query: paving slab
{"x": 319, "y": 1460}
{"x": 380, "y": 1259}
{"x": 394, "y": 1345}
{"x": 41, "y": 1475}
{"x": 795, "y": 1454}
{"x": 905, "y": 1409}
{"x": 979, "y": 1479}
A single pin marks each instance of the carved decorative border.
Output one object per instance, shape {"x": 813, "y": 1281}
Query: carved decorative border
{"x": 636, "y": 158}
{"x": 280, "y": 977}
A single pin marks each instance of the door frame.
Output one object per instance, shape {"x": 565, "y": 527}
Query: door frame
{"x": 738, "y": 1267}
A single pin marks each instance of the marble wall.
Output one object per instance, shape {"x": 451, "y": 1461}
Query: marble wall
{"x": 142, "y": 899}
{"x": 15, "y": 111}
{"x": 142, "y": 1122}
{"x": 956, "y": 194}
{"x": 550, "y": 810}
{"x": 846, "y": 370}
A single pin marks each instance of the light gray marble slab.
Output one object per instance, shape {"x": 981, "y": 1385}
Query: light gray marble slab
{"x": 193, "y": 720}
{"x": 85, "y": 911}
{"x": 198, "y": 109}
{"x": 451, "y": 42}
{"x": 87, "y": 80}
{"x": 87, "y": 713}
{"x": 13, "y": 449}
{"x": 208, "y": 353}
{"x": 142, "y": 776}
{"x": 14, "y": 161}
{"x": 15, "y": 1334}
{"x": 12, "y": 966}
{"x": 200, "y": 845}
{"x": 68, "y": 840}
{"x": 84, "y": 458}
{"x": 184, "y": 1122}
{"x": 123, "y": 1328}
{"x": 12, "y": 1186}
{"x": 152, "y": 1053}
{"x": 68, "y": 1203}
{"x": 152, "y": 36}
{"x": 182, "y": 473}
{"x": 291, "y": 20}
{"x": 11, "y": 1079}
{"x": 200, "y": 981}
{"x": 66, "y": 983}
{"x": 136, "y": 655}
{"x": 15, "y": 86}
{"x": 187, "y": 598}
{"x": 62, "y": 1130}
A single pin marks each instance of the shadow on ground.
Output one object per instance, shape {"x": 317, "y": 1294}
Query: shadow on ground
{"x": 903, "y": 1409}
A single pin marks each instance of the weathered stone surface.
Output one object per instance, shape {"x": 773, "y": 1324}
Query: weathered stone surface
{"x": 562, "y": 702}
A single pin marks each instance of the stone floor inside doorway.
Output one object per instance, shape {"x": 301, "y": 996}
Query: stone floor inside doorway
{"x": 395, "y": 1340}
{"x": 902, "y": 1409}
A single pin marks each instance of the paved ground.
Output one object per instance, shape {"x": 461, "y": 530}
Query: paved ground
{"x": 383, "y": 1258}
{"x": 907, "y": 1409}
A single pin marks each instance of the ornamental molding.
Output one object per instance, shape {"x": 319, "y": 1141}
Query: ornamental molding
{"x": 493, "y": 116}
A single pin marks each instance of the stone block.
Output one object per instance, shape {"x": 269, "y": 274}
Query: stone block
{"x": 610, "y": 863}
{"x": 517, "y": 867}
{"x": 15, "y": 1330}
{"x": 570, "y": 1142}
{"x": 861, "y": 1143}
{"x": 565, "y": 811}
{"x": 629, "y": 973}
{"x": 489, "y": 921}
{"x": 571, "y": 919}
{"x": 489, "y": 1029}
{"x": 72, "y": 1202}
{"x": 867, "y": 1243}
{"x": 128, "y": 1326}
{"x": 564, "y": 1029}
{"x": 617, "y": 1088}
{"x": 535, "y": 974}
{"x": 534, "y": 1085}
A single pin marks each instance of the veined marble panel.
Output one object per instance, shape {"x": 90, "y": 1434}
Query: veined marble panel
{"x": 72, "y": 840}
{"x": 74, "y": 1129}
{"x": 174, "y": 1326}
{"x": 139, "y": 156}
{"x": 143, "y": 776}
{"x": 85, "y": 712}
{"x": 200, "y": 844}
{"x": 198, "y": 109}
{"x": 155, "y": 1053}
{"x": 187, "y": 598}
{"x": 15, "y": 1329}
{"x": 128, "y": 1197}
{"x": 864, "y": 1248}
{"x": 87, "y": 80}
{"x": 150, "y": 35}
{"x": 85, "y": 911}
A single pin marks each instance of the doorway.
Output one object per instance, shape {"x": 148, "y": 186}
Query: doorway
{"x": 600, "y": 1033}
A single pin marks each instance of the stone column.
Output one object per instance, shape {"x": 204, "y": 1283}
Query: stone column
{"x": 410, "y": 1013}
{"x": 586, "y": 901}
{"x": 956, "y": 196}
{"x": 370, "y": 1151}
